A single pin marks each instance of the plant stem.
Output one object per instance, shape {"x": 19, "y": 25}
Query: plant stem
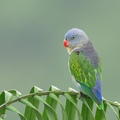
{"x": 115, "y": 104}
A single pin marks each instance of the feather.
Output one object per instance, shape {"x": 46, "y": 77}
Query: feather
{"x": 85, "y": 68}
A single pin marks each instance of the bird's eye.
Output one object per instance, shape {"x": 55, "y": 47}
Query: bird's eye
{"x": 73, "y": 37}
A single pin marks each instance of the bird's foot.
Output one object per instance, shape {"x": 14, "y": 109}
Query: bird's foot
{"x": 82, "y": 95}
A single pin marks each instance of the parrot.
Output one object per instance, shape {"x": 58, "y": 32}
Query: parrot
{"x": 84, "y": 64}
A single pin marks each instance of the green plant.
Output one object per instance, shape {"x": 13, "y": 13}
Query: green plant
{"x": 69, "y": 110}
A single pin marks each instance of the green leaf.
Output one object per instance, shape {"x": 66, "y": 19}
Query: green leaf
{"x": 105, "y": 107}
{"x": 64, "y": 114}
{"x": 71, "y": 107}
{"x": 30, "y": 112}
{"x": 89, "y": 102}
{"x": 100, "y": 114}
{"x": 39, "y": 116}
{"x": 4, "y": 98}
{"x": 52, "y": 102}
{"x": 53, "y": 88}
{"x": 49, "y": 110}
{"x": 15, "y": 93}
{"x": 86, "y": 110}
{"x": 109, "y": 105}
{"x": 119, "y": 113}
{"x": 73, "y": 100}
{"x": 3, "y": 116}
{"x": 13, "y": 109}
{"x": 118, "y": 104}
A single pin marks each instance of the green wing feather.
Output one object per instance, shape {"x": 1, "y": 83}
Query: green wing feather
{"x": 82, "y": 69}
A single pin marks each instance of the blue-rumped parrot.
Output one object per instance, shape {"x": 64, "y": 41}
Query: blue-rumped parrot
{"x": 84, "y": 64}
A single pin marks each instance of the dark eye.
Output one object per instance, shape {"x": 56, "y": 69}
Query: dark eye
{"x": 73, "y": 37}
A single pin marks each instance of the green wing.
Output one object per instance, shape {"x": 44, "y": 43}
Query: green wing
{"x": 82, "y": 69}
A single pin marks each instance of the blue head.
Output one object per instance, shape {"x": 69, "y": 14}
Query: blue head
{"x": 75, "y": 38}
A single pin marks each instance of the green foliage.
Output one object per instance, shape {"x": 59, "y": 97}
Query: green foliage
{"x": 70, "y": 111}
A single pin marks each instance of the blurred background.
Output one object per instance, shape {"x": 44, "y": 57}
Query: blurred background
{"x": 31, "y": 50}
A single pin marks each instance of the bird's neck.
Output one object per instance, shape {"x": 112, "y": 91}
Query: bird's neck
{"x": 70, "y": 50}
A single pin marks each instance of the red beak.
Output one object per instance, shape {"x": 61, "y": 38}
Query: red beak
{"x": 65, "y": 43}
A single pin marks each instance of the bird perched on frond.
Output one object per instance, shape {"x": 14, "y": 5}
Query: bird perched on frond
{"x": 84, "y": 64}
